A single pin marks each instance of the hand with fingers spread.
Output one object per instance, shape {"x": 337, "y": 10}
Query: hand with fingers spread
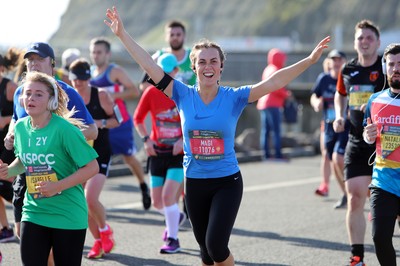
{"x": 115, "y": 23}
{"x": 317, "y": 52}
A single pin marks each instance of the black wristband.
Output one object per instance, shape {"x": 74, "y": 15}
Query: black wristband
{"x": 145, "y": 77}
{"x": 145, "y": 138}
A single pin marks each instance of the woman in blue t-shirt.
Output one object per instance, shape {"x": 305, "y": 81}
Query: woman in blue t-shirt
{"x": 209, "y": 115}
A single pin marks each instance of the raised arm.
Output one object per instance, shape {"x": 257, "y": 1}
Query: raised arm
{"x": 285, "y": 75}
{"x": 141, "y": 56}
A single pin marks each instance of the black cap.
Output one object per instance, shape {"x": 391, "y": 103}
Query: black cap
{"x": 336, "y": 53}
{"x": 79, "y": 71}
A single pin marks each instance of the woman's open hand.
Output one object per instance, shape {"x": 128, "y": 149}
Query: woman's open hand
{"x": 114, "y": 22}
{"x": 317, "y": 52}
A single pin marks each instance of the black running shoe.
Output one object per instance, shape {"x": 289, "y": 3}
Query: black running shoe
{"x": 146, "y": 198}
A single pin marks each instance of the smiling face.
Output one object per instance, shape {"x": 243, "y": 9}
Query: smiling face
{"x": 35, "y": 97}
{"x": 208, "y": 66}
{"x": 366, "y": 43}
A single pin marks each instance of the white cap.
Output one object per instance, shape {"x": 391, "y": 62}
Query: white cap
{"x": 69, "y": 56}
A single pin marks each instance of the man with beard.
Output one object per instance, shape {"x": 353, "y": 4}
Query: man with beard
{"x": 358, "y": 80}
{"x": 382, "y": 128}
{"x": 175, "y": 33}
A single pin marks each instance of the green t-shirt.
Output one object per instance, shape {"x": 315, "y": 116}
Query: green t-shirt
{"x": 185, "y": 73}
{"x": 53, "y": 153}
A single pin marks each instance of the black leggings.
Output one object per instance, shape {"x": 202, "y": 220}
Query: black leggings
{"x": 212, "y": 205}
{"x": 385, "y": 207}
{"x": 37, "y": 240}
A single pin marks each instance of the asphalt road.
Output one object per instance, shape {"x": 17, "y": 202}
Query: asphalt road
{"x": 280, "y": 222}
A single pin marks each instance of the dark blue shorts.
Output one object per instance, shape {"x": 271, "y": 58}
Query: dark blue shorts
{"x": 121, "y": 139}
{"x": 335, "y": 142}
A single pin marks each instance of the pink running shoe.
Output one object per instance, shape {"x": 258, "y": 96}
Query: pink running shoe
{"x": 107, "y": 240}
{"x": 97, "y": 251}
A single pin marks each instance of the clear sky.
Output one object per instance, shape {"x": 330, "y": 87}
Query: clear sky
{"x": 26, "y": 21}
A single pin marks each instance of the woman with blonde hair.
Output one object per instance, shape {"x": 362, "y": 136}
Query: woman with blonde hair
{"x": 54, "y": 154}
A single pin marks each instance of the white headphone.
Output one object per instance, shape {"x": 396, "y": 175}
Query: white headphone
{"x": 384, "y": 65}
{"x": 53, "y": 101}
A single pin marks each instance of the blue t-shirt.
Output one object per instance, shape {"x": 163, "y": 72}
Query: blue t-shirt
{"x": 75, "y": 100}
{"x": 209, "y": 130}
{"x": 325, "y": 86}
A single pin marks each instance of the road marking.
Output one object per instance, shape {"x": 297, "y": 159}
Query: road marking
{"x": 282, "y": 184}
{"x": 126, "y": 206}
{"x": 138, "y": 205}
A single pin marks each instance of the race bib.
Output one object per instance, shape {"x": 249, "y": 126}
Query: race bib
{"x": 35, "y": 174}
{"x": 168, "y": 132}
{"x": 206, "y": 144}
{"x": 390, "y": 139}
{"x": 359, "y": 95}
{"x": 357, "y": 99}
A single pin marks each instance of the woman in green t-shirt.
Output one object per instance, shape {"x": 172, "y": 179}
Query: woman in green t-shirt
{"x": 53, "y": 153}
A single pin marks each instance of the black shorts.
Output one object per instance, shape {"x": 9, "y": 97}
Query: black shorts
{"x": 103, "y": 160}
{"x": 19, "y": 187}
{"x": 159, "y": 165}
{"x": 6, "y": 190}
{"x": 7, "y": 156}
{"x": 358, "y": 160}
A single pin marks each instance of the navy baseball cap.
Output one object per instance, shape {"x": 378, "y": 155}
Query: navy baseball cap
{"x": 167, "y": 62}
{"x": 42, "y": 49}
